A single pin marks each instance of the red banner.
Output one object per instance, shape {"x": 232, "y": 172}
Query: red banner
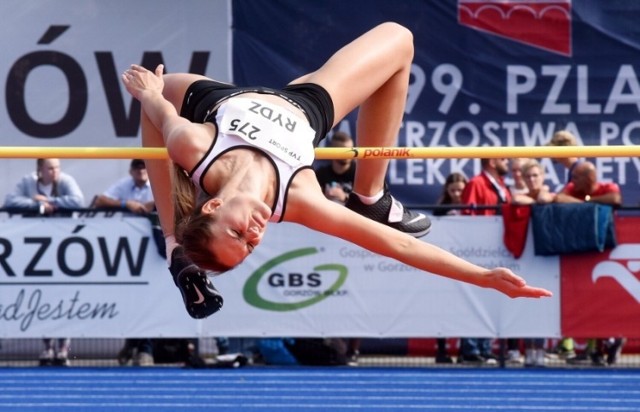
{"x": 601, "y": 291}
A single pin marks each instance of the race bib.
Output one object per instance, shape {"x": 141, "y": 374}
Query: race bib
{"x": 271, "y": 128}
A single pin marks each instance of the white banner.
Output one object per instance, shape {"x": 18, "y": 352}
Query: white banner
{"x": 302, "y": 283}
{"x": 93, "y": 277}
{"x": 103, "y": 277}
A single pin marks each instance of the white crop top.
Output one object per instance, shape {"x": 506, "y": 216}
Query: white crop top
{"x": 286, "y": 139}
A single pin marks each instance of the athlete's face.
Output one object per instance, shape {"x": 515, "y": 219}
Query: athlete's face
{"x": 239, "y": 227}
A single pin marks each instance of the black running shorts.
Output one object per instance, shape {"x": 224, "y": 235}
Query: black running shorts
{"x": 204, "y": 95}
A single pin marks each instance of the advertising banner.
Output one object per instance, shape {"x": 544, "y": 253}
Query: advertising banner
{"x": 485, "y": 73}
{"x": 94, "y": 277}
{"x": 601, "y": 291}
{"x": 303, "y": 283}
{"x": 103, "y": 277}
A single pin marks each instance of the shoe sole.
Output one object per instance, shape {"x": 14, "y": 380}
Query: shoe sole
{"x": 207, "y": 307}
{"x": 419, "y": 234}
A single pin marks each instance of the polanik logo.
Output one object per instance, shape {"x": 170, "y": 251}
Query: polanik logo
{"x": 274, "y": 286}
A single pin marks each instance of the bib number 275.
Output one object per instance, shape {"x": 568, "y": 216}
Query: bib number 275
{"x": 244, "y": 128}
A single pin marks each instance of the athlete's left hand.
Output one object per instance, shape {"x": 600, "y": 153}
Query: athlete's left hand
{"x": 512, "y": 285}
{"x": 138, "y": 80}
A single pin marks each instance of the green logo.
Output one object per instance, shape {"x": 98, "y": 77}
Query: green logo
{"x": 250, "y": 291}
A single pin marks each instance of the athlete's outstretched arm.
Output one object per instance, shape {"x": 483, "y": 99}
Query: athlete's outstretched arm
{"x": 325, "y": 216}
{"x": 148, "y": 90}
{"x": 162, "y": 127}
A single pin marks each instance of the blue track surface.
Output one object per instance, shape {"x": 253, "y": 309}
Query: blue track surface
{"x": 318, "y": 389}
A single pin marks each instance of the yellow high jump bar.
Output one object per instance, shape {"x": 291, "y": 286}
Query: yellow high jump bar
{"x": 20, "y": 152}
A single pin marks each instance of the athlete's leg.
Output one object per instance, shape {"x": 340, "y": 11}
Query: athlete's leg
{"x": 371, "y": 72}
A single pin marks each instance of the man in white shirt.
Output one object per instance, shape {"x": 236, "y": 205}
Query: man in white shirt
{"x": 131, "y": 193}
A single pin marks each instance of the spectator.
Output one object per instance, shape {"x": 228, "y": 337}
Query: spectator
{"x": 336, "y": 180}
{"x": 485, "y": 189}
{"x": 519, "y": 186}
{"x": 451, "y": 195}
{"x": 48, "y": 191}
{"x": 585, "y": 187}
{"x": 537, "y": 191}
{"x": 565, "y": 138}
{"x": 133, "y": 194}
{"x": 565, "y": 348}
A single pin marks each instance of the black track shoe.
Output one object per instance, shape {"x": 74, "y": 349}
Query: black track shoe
{"x": 200, "y": 297}
{"x": 390, "y": 212}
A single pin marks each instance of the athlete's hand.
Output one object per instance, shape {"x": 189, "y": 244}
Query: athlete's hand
{"x": 505, "y": 281}
{"x": 138, "y": 80}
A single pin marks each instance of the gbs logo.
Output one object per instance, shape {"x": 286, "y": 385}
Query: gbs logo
{"x": 293, "y": 280}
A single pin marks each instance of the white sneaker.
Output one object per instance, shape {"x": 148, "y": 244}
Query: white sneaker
{"x": 529, "y": 357}
{"x": 143, "y": 359}
{"x": 46, "y": 357}
{"x": 47, "y": 354}
{"x": 514, "y": 357}
{"x": 62, "y": 358}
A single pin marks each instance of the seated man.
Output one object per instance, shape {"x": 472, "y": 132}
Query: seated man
{"x": 584, "y": 187}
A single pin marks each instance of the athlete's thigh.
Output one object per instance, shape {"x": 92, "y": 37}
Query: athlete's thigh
{"x": 176, "y": 85}
{"x": 362, "y": 67}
